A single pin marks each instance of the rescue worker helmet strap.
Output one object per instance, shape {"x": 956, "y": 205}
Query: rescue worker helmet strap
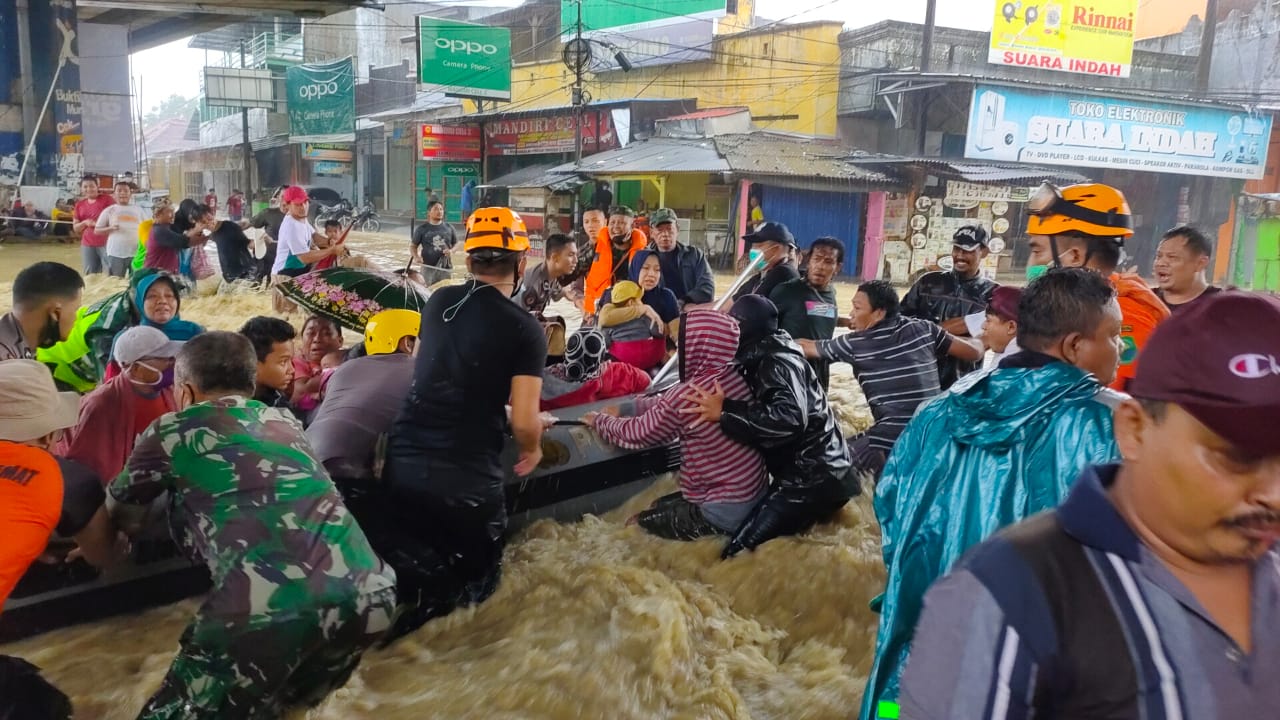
{"x": 1089, "y": 209}
{"x": 383, "y": 331}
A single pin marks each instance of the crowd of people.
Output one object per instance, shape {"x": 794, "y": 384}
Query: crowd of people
{"x": 1054, "y": 546}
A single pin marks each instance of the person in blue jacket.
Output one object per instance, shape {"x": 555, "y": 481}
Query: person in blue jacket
{"x": 1000, "y": 447}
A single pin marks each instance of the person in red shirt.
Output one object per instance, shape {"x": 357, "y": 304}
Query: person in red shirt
{"x": 211, "y": 200}
{"x": 235, "y": 206}
{"x": 93, "y": 246}
{"x": 116, "y": 412}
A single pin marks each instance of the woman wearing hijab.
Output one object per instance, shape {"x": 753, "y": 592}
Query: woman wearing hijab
{"x": 153, "y": 300}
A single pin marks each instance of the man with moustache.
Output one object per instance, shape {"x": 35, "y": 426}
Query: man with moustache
{"x": 1154, "y": 590}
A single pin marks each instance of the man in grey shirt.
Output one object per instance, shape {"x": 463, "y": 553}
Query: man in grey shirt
{"x": 363, "y": 397}
{"x": 1153, "y": 591}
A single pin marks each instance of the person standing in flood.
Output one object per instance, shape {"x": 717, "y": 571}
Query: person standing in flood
{"x": 93, "y": 245}
{"x": 298, "y": 593}
{"x": 478, "y": 350}
{"x": 433, "y": 244}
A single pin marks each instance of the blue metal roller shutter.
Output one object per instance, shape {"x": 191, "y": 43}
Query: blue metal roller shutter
{"x": 810, "y": 214}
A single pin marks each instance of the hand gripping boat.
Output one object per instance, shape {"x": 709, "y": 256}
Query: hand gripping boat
{"x": 579, "y": 474}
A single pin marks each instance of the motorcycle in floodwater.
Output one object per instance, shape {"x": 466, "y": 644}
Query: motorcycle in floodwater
{"x": 366, "y": 219}
{"x": 340, "y": 211}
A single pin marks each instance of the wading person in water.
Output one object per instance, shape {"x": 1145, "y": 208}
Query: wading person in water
{"x": 1153, "y": 591}
{"x": 479, "y": 350}
{"x": 298, "y": 593}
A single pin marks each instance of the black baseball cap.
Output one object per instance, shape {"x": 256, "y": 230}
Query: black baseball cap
{"x": 970, "y": 238}
{"x": 771, "y": 232}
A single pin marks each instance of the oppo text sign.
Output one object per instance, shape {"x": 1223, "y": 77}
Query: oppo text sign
{"x": 322, "y": 102}
{"x": 464, "y": 59}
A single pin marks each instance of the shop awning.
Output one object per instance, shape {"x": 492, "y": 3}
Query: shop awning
{"x": 537, "y": 176}
{"x": 655, "y": 156}
{"x": 974, "y": 171}
{"x": 802, "y": 163}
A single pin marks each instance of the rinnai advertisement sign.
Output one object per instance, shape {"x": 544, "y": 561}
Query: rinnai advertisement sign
{"x": 550, "y": 135}
{"x": 450, "y": 142}
{"x": 322, "y": 102}
{"x": 1064, "y": 128}
{"x": 464, "y": 59}
{"x": 1091, "y": 37}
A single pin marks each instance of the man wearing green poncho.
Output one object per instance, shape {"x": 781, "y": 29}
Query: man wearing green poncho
{"x": 998, "y": 448}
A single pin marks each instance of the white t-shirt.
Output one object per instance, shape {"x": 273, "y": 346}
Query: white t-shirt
{"x": 295, "y": 239}
{"x": 123, "y": 243}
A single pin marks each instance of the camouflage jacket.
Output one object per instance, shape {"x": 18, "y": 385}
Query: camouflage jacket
{"x": 249, "y": 499}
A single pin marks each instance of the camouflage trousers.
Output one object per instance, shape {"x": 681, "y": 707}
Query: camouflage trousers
{"x": 231, "y": 671}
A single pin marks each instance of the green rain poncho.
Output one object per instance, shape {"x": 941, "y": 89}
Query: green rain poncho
{"x": 998, "y": 448}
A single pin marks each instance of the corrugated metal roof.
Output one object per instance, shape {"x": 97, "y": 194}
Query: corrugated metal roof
{"x": 773, "y": 154}
{"x": 976, "y": 171}
{"x": 709, "y": 113}
{"x": 537, "y": 176}
{"x": 656, "y": 155}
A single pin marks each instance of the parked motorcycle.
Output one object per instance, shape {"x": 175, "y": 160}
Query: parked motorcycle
{"x": 366, "y": 218}
{"x": 341, "y": 211}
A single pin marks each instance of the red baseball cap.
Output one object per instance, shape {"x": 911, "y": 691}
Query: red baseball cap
{"x": 293, "y": 195}
{"x": 1220, "y": 361}
{"x": 1004, "y": 302}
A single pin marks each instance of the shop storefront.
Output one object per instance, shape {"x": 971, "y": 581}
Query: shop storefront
{"x": 448, "y": 159}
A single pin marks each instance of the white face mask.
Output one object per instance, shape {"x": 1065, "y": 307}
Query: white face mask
{"x": 158, "y": 383}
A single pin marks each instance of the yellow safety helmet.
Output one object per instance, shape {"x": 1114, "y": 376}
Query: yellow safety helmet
{"x": 383, "y": 332}
{"x": 1089, "y": 209}
{"x": 496, "y": 229}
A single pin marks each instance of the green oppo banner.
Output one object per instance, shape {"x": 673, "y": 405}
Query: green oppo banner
{"x": 322, "y": 102}
{"x": 621, "y": 17}
{"x": 464, "y": 59}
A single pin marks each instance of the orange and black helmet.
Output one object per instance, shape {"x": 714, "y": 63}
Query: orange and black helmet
{"x": 496, "y": 229}
{"x": 1091, "y": 209}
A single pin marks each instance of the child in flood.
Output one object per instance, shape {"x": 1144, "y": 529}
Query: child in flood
{"x": 634, "y": 332}
{"x": 720, "y": 480}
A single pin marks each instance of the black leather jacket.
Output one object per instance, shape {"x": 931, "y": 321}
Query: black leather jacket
{"x": 788, "y": 417}
{"x": 940, "y": 296}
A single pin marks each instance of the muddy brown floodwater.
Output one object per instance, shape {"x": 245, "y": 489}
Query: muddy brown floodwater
{"x": 592, "y": 619}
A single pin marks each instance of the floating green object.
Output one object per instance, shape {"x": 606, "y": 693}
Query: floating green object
{"x": 887, "y": 710}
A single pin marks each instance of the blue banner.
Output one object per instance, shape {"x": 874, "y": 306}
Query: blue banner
{"x": 1080, "y": 130}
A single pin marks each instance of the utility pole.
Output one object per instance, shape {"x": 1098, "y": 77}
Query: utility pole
{"x": 580, "y": 60}
{"x": 1207, "y": 35}
{"x": 926, "y": 53}
{"x": 244, "y": 137}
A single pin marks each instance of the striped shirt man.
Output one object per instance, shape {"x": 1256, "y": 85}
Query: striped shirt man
{"x": 1069, "y": 615}
{"x": 714, "y": 469}
{"x": 896, "y": 363}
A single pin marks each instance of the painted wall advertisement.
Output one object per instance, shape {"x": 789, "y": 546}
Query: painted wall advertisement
{"x": 104, "y": 99}
{"x": 464, "y": 59}
{"x": 1091, "y": 37}
{"x": 1078, "y": 130}
{"x": 450, "y": 142}
{"x": 322, "y": 102}
{"x": 550, "y": 135}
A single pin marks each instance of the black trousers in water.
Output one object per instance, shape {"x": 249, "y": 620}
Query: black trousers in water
{"x": 441, "y": 526}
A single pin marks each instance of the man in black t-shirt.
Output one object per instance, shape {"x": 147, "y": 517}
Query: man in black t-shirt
{"x": 777, "y": 244}
{"x": 477, "y": 350}
{"x": 234, "y": 256}
{"x": 807, "y": 306}
{"x": 269, "y": 221}
{"x": 433, "y": 243}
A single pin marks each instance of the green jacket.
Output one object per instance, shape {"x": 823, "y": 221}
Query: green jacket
{"x": 999, "y": 447}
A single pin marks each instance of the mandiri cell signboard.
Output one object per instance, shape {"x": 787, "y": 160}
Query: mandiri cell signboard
{"x": 1080, "y": 130}
{"x": 1090, "y": 37}
{"x": 550, "y": 135}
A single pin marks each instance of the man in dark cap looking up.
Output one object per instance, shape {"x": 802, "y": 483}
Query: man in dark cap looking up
{"x": 947, "y": 296}
{"x": 1154, "y": 589}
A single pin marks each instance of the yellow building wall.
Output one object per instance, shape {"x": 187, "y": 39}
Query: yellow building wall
{"x": 793, "y": 70}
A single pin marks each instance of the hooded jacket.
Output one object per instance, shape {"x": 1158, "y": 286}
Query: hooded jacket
{"x": 1140, "y": 311}
{"x": 943, "y": 295}
{"x": 714, "y": 468}
{"x": 787, "y": 415}
{"x": 1000, "y": 447}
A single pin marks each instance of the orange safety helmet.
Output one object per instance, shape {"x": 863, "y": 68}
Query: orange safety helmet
{"x": 1089, "y": 209}
{"x": 496, "y": 229}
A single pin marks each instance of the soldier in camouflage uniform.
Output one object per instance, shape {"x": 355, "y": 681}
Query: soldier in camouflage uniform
{"x": 298, "y": 593}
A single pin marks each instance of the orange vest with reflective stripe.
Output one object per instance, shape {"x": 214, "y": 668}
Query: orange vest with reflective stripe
{"x": 1140, "y": 311}
{"x": 600, "y": 276}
